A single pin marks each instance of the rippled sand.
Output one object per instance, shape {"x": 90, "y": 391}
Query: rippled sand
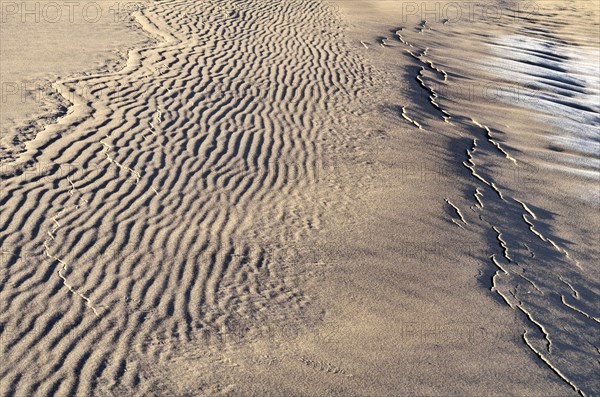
{"x": 360, "y": 198}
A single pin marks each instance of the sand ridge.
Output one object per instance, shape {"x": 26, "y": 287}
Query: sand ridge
{"x": 284, "y": 198}
{"x": 524, "y": 255}
{"x": 176, "y": 161}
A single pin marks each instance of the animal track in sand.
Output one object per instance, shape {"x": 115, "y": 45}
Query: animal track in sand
{"x": 324, "y": 366}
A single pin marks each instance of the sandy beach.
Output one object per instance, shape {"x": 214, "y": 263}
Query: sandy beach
{"x": 300, "y": 198}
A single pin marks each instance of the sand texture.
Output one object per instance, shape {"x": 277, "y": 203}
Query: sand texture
{"x": 301, "y": 198}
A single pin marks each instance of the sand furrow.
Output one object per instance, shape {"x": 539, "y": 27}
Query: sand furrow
{"x": 177, "y": 159}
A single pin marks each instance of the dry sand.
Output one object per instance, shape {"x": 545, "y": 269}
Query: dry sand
{"x": 303, "y": 198}
{"x": 43, "y": 41}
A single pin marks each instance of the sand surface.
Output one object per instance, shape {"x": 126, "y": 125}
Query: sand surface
{"x": 303, "y": 198}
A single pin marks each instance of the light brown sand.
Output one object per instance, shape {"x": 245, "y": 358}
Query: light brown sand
{"x": 270, "y": 199}
{"x": 42, "y": 41}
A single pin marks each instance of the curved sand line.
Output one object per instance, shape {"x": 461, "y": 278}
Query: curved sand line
{"x": 175, "y": 163}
